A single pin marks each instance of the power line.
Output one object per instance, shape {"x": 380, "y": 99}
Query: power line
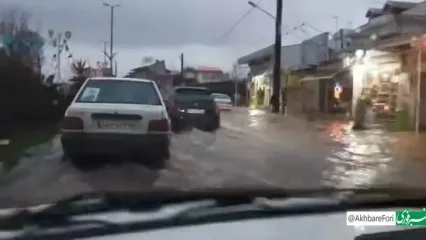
{"x": 312, "y": 27}
{"x": 235, "y": 25}
{"x": 300, "y": 28}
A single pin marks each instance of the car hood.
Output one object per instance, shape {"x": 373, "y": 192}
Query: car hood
{"x": 316, "y": 226}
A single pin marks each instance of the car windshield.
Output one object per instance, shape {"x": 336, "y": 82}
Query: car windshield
{"x": 119, "y": 91}
{"x": 136, "y": 95}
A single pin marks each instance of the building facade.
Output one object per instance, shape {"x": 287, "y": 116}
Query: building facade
{"x": 158, "y": 73}
{"x": 210, "y": 74}
{"x": 385, "y": 66}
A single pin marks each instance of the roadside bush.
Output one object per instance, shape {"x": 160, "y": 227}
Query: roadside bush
{"x": 24, "y": 99}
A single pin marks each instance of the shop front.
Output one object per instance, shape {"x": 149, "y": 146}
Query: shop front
{"x": 327, "y": 88}
{"x": 378, "y": 79}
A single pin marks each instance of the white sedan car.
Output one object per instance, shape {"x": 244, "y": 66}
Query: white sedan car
{"x": 113, "y": 116}
{"x": 223, "y": 101}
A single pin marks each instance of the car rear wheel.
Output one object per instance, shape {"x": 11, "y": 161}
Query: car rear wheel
{"x": 155, "y": 158}
{"x": 80, "y": 161}
{"x": 214, "y": 125}
{"x": 83, "y": 161}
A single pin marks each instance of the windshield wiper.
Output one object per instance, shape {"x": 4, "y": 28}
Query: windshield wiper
{"x": 152, "y": 200}
{"x": 99, "y": 202}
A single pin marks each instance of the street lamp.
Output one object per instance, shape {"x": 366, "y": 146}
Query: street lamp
{"x": 59, "y": 41}
{"x": 261, "y": 9}
{"x": 276, "y": 84}
{"x": 111, "y": 53}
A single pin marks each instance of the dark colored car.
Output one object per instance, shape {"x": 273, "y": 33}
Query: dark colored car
{"x": 193, "y": 107}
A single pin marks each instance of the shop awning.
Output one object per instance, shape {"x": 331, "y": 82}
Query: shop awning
{"x": 323, "y": 75}
{"x": 316, "y": 77}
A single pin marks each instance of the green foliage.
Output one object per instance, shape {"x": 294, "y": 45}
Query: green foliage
{"x": 24, "y": 98}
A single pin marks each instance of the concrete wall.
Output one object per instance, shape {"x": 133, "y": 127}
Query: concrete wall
{"x": 310, "y": 95}
{"x": 295, "y": 100}
{"x": 291, "y": 57}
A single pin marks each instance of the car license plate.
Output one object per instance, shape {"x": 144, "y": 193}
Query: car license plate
{"x": 196, "y": 111}
{"x": 104, "y": 124}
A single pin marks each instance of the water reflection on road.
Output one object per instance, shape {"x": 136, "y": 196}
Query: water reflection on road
{"x": 372, "y": 157}
{"x": 360, "y": 158}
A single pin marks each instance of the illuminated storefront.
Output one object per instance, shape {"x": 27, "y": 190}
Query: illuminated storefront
{"x": 377, "y": 77}
{"x": 261, "y": 90}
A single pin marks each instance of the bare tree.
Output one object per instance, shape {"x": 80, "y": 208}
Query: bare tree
{"x": 18, "y": 39}
{"x": 14, "y": 19}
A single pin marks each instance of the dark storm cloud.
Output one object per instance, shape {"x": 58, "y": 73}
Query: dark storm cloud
{"x": 178, "y": 22}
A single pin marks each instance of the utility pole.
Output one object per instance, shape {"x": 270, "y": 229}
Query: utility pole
{"x": 236, "y": 75}
{"x": 276, "y": 86}
{"x": 58, "y": 56}
{"x": 181, "y": 66}
{"x": 111, "y": 50}
{"x": 336, "y": 18}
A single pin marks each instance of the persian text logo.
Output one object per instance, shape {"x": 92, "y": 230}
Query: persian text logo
{"x": 409, "y": 218}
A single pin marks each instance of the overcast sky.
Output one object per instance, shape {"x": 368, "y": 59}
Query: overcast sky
{"x": 165, "y": 28}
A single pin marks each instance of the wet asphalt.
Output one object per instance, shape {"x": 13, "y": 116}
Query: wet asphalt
{"x": 253, "y": 148}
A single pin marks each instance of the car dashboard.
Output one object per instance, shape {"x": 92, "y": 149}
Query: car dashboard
{"x": 319, "y": 226}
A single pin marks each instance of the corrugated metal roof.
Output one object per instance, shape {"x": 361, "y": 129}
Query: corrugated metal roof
{"x": 398, "y": 4}
{"x": 208, "y": 69}
{"x": 262, "y": 53}
{"x": 373, "y": 12}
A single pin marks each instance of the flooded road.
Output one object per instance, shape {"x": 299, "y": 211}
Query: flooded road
{"x": 253, "y": 148}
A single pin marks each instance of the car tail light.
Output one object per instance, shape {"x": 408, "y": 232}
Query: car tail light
{"x": 216, "y": 108}
{"x": 72, "y": 123}
{"x": 174, "y": 107}
{"x": 161, "y": 125}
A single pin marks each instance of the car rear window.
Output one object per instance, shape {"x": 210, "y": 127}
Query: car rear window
{"x": 119, "y": 91}
{"x": 220, "y": 96}
{"x": 192, "y": 94}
